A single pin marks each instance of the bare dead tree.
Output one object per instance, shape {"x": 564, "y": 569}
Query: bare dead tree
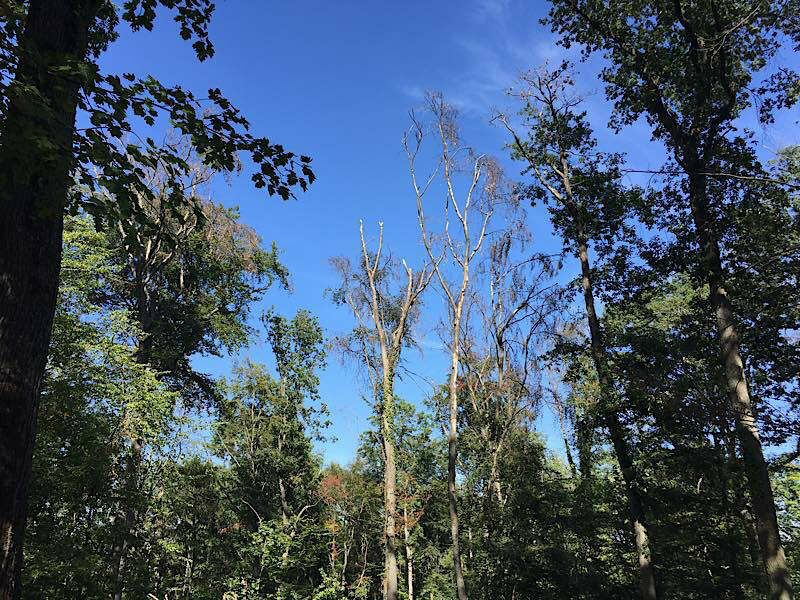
{"x": 385, "y": 318}
{"x": 515, "y": 301}
{"x": 481, "y": 175}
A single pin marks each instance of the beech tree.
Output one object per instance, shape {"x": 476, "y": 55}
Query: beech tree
{"x": 385, "y": 319}
{"x": 482, "y": 186}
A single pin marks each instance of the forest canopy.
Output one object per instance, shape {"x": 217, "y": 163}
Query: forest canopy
{"x": 535, "y": 335}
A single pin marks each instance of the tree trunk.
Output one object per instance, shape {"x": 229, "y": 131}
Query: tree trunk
{"x": 120, "y": 551}
{"x": 584, "y": 434}
{"x": 389, "y": 487}
{"x": 494, "y": 476}
{"x": 452, "y": 456}
{"x": 753, "y": 550}
{"x": 35, "y": 162}
{"x": 732, "y": 544}
{"x": 755, "y": 465}
{"x": 285, "y": 509}
{"x": 647, "y": 573}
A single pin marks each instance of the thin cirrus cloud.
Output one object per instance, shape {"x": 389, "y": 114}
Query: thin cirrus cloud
{"x": 497, "y": 40}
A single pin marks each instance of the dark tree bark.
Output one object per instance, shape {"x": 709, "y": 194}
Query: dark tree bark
{"x": 35, "y": 162}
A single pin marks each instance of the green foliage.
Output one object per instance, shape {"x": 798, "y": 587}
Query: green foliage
{"x": 95, "y": 397}
{"x": 158, "y": 480}
{"x": 113, "y": 154}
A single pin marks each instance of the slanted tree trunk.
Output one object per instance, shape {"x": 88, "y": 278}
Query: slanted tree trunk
{"x": 647, "y": 572}
{"x": 35, "y": 162}
{"x": 755, "y": 466}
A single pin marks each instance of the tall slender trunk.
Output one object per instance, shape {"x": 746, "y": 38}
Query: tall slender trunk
{"x": 647, "y": 572}
{"x": 409, "y": 555}
{"x": 187, "y": 576}
{"x": 494, "y": 474}
{"x": 452, "y": 451}
{"x": 755, "y": 465}
{"x": 120, "y": 552}
{"x": 35, "y": 161}
{"x": 389, "y": 488}
{"x": 391, "y": 344}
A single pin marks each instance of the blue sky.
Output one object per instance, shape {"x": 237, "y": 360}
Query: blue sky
{"x": 335, "y": 80}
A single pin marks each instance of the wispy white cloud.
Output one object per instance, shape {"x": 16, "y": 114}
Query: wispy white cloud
{"x": 414, "y": 92}
{"x": 502, "y": 42}
{"x": 490, "y": 10}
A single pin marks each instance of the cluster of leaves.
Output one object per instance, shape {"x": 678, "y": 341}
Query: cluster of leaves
{"x": 112, "y": 153}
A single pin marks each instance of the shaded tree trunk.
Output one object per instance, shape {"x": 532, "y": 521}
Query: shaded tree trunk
{"x": 731, "y": 540}
{"x": 755, "y": 466}
{"x": 562, "y": 426}
{"x": 35, "y": 162}
{"x": 286, "y": 511}
{"x": 584, "y": 434}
